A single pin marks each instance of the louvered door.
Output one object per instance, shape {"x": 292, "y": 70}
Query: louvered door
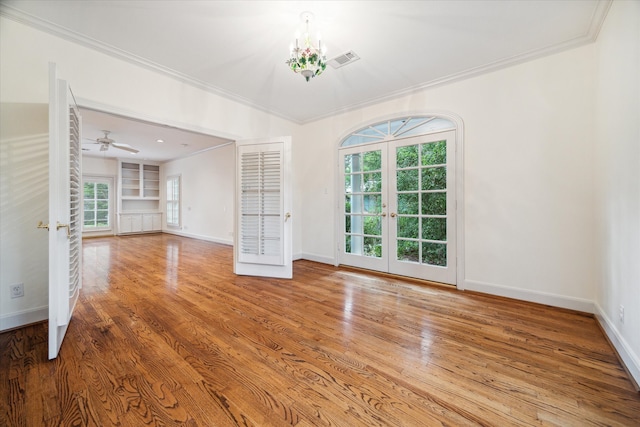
{"x": 263, "y": 208}
{"x": 65, "y": 215}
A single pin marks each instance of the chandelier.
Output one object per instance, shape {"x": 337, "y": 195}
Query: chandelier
{"x": 304, "y": 57}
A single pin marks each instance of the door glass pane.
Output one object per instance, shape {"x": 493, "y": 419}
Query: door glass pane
{"x": 408, "y": 251}
{"x": 355, "y": 224}
{"x": 372, "y": 203}
{"x": 372, "y": 161}
{"x": 408, "y": 204}
{"x": 434, "y": 178}
{"x": 434, "y": 229}
{"x": 409, "y": 227}
{"x": 407, "y": 156}
{"x": 434, "y": 254}
{"x": 351, "y": 243}
{"x": 434, "y": 203}
{"x": 373, "y": 247}
{"x": 352, "y": 163}
{"x": 353, "y": 204}
{"x": 353, "y": 183}
{"x": 408, "y": 180}
{"x": 372, "y": 225}
{"x": 434, "y": 153}
{"x": 372, "y": 182}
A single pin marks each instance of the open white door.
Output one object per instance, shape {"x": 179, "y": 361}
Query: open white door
{"x": 263, "y": 230}
{"x": 65, "y": 216}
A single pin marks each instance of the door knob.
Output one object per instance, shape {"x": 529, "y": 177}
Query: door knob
{"x": 42, "y": 225}
{"x": 59, "y": 226}
{"x": 393, "y": 215}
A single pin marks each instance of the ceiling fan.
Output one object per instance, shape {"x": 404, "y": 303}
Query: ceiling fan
{"x": 105, "y": 142}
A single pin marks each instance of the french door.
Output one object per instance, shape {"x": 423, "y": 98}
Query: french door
{"x": 65, "y": 209}
{"x": 398, "y": 207}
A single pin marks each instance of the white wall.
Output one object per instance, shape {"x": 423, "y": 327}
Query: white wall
{"x": 24, "y": 178}
{"x": 528, "y": 176}
{"x": 617, "y": 178}
{"x": 207, "y": 194}
{"x": 100, "y": 166}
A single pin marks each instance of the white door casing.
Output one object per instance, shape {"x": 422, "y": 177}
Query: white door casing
{"x": 65, "y": 209}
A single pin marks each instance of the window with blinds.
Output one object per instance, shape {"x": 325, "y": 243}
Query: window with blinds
{"x": 173, "y": 201}
{"x": 261, "y": 205}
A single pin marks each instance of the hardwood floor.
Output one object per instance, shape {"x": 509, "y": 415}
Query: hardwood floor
{"x": 165, "y": 334}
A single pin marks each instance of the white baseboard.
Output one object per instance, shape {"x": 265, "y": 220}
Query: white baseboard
{"x": 555, "y": 300}
{"x": 317, "y": 258}
{"x": 23, "y": 318}
{"x": 626, "y": 353}
{"x": 199, "y": 237}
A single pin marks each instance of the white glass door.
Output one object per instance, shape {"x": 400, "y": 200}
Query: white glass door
{"x": 422, "y": 207}
{"x": 398, "y": 206}
{"x": 363, "y": 207}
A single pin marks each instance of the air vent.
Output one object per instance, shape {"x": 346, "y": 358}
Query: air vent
{"x": 344, "y": 59}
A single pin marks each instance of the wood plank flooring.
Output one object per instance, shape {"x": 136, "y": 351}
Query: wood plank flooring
{"x": 165, "y": 334}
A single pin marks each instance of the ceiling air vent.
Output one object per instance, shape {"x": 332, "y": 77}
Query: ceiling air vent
{"x": 344, "y": 59}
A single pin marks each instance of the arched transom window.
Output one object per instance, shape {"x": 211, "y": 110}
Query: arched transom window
{"x": 397, "y": 128}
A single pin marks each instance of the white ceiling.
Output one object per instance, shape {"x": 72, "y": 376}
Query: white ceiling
{"x": 238, "y": 48}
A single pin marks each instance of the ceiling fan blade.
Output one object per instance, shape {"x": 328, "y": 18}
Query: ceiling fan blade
{"x": 124, "y": 147}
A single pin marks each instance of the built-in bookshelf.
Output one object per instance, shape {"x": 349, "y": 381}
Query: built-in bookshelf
{"x": 139, "y": 197}
{"x": 151, "y": 181}
{"x": 130, "y": 179}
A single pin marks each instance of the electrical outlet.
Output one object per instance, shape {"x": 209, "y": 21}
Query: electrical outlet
{"x": 621, "y": 313}
{"x": 17, "y": 290}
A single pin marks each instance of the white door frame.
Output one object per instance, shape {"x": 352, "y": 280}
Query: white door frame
{"x": 460, "y": 205}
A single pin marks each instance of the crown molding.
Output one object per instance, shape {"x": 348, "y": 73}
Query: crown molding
{"x": 590, "y": 36}
{"x": 72, "y": 36}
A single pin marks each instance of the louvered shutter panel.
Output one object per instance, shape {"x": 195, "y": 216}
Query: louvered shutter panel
{"x": 261, "y": 221}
